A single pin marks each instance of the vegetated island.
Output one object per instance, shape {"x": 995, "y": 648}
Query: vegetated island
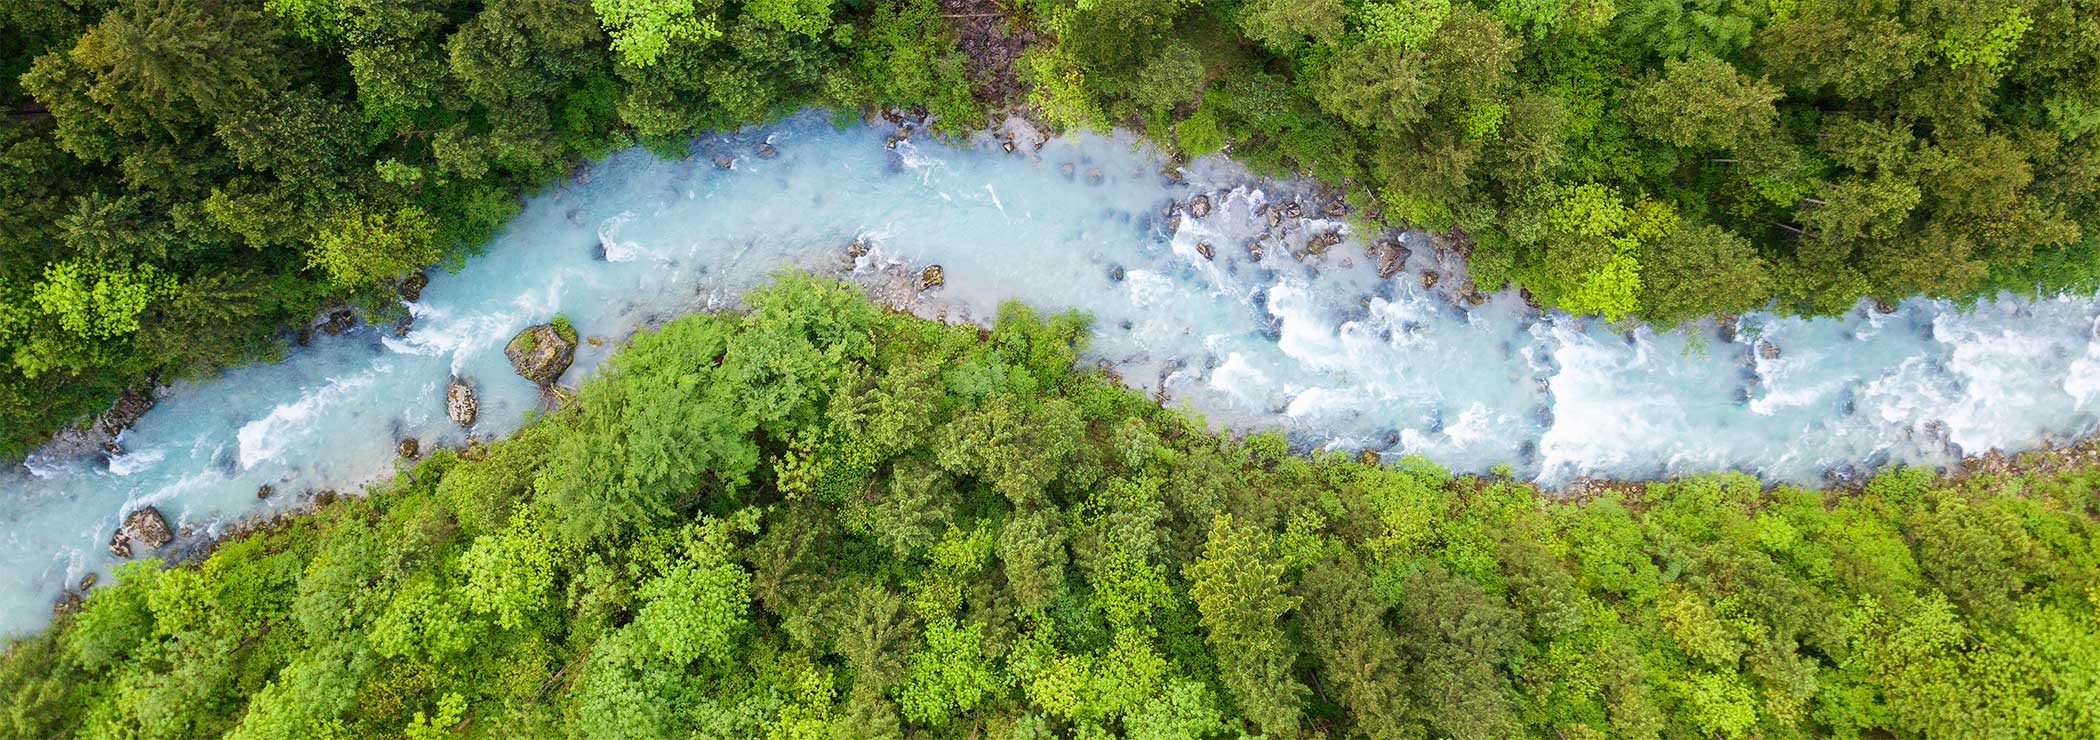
{"x": 814, "y": 518}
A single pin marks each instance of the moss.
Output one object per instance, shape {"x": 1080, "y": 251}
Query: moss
{"x": 563, "y": 329}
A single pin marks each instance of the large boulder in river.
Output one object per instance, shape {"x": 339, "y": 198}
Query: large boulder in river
{"x": 1392, "y": 258}
{"x": 460, "y": 404}
{"x": 145, "y": 526}
{"x": 542, "y": 352}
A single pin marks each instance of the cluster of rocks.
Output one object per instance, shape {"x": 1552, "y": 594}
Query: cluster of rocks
{"x": 100, "y": 433}
{"x": 908, "y": 123}
{"x": 143, "y": 525}
{"x": 1280, "y": 219}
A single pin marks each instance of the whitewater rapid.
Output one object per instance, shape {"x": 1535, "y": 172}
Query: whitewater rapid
{"x": 1318, "y": 345}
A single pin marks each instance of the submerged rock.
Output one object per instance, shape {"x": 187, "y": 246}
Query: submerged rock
{"x": 1727, "y": 329}
{"x": 541, "y": 353}
{"x": 1093, "y": 175}
{"x": 1319, "y": 243}
{"x": 1767, "y": 350}
{"x": 725, "y": 161}
{"x": 766, "y": 150}
{"x": 460, "y": 404}
{"x": 144, "y": 525}
{"x": 265, "y": 491}
{"x": 1254, "y": 249}
{"x": 932, "y": 277}
{"x": 1204, "y": 248}
{"x": 1199, "y": 206}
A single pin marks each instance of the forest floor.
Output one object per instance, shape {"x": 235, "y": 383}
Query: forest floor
{"x": 994, "y": 40}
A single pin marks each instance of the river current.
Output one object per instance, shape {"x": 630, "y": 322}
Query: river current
{"x": 1318, "y": 345}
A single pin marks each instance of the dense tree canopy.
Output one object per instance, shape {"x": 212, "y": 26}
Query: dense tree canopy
{"x": 921, "y": 533}
{"x": 1804, "y": 154}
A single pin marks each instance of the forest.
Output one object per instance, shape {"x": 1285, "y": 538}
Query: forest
{"x": 814, "y": 518}
{"x": 187, "y": 181}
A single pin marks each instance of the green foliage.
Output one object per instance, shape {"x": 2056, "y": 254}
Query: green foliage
{"x": 1001, "y": 563}
{"x": 948, "y": 677}
{"x": 1408, "y": 24}
{"x": 643, "y": 31}
{"x": 96, "y": 301}
{"x": 1990, "y": 47}
{"x": 693, "y": 607}
{"x": 364, "y": 249}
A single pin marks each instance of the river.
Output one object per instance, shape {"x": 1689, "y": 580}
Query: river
{"x": 1318, "y": 345}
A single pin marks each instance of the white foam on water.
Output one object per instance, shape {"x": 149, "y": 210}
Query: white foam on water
{"x": 1317, "y": 346}
{"x": 134, "y": 461}
{"x": 267, "y": 438}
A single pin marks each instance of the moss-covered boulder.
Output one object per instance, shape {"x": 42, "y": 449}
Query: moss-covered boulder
{"x": 542, "y": 352}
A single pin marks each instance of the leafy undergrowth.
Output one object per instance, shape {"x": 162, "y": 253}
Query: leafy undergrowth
{"x": 817, "y": 519}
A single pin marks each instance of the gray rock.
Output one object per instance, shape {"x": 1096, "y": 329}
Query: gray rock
{"x": 460, "y": 404}
{"x": 1392, "y": 258}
